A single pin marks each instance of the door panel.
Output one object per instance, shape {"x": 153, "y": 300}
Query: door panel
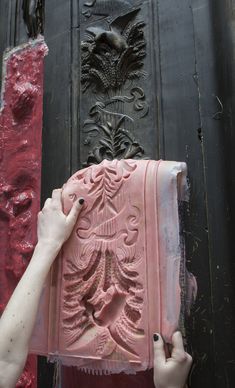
{"x": 179, "y": 106}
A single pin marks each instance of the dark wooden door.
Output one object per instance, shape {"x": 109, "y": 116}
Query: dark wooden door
{"x": 178, "y": 105}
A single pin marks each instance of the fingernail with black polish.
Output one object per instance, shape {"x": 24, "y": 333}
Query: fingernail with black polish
{"x": 81, "y": 201}
{"x": 155, "y": 337}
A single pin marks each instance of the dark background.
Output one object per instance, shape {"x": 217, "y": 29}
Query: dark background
{"x": 192, "y": 47}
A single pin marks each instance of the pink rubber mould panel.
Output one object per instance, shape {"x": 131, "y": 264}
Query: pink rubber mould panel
{"x": 118, "y": 278}
{"x": 20, "y": 169}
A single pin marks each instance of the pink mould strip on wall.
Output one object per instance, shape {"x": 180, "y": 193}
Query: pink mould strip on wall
{"x": 20, "y": 169}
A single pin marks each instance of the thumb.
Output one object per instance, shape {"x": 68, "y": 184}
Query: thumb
{"x": 178, "y": 352}
{"x": 159, "y": 352}
{"x": 74, "y": 212}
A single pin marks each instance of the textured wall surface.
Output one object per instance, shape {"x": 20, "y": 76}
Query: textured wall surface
{"x": 20, "y": 168}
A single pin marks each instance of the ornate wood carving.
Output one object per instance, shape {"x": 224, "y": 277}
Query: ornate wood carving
{"x": 114, "y": 130}
{"x": 113, "y": 54}
{"x": 33, "y": 14}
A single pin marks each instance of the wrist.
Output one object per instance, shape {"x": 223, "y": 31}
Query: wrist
{"x": 44, "y": 255}
{"x": 170, "y": 386}
{"x": 49, "y": 247}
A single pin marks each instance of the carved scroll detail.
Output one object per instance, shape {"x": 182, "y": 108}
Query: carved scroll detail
{"x": 102, "y": 284}
{"x": 115, "y": 129}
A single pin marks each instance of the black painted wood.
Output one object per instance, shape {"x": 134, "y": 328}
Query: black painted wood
{"x": 45, "y": 373}
{"x": 56, "y": 150}
{"x": 75, "y": 86}
{"x": 220, "y": 182}
{"x": 191, "y": 90}
{"x": 4, "y": 31}
{"x": 182, "y": 141}
{"x": 57, "y": 98}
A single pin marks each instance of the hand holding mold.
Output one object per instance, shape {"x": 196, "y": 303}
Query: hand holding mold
{"x": 18, "y": 318}
{"x": 171, "y": 372}
{"x": 54, "y": 227}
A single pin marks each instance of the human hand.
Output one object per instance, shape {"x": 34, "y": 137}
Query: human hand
{"x": 54, "y": 227}
{"x": 171, "y": 372}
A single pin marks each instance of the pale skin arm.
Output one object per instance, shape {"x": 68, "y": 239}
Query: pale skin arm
{"x": 171, "y": 372}
{"x": 18, "y": 319}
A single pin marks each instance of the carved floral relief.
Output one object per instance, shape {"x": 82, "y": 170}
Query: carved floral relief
{"x": 113, "y": 52}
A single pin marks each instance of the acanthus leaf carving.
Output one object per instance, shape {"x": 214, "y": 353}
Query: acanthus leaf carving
{"x": 114, "y": 130}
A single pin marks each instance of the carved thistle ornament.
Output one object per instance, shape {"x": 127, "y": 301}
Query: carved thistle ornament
{"x": 112, "y": 63}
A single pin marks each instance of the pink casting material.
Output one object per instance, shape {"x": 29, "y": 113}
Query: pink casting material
{"x": 20, "y": 169}
{"x": 118, "y": 279}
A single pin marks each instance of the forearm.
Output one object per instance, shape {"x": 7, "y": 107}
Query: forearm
{"x": 18, "y": 319}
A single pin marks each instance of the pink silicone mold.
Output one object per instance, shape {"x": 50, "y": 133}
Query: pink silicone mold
{"x": 118, "y": 278}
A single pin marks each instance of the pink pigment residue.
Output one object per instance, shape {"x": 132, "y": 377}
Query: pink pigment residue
{"x": 20, "y": 169}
